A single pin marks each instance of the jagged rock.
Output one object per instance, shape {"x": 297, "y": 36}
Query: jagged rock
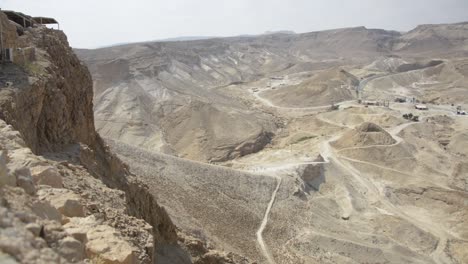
{"x": 102, "y": 242}
{"x": 196, "y": 247}
{"x": 18, "y": 241}
{"x": 53, "y": 232}
{"x": 24, "y": 180}
{"x": 23, "y": 157}
{"x": 59, "y": 83}
{"x": 48, "y": 109}
{"x": 47, "y": 175}
{"x": 215, "y": 257}
{"x": 45, "y": 210}
{"x": 11, "y": 138}
{"x": 71, "y": 249}
{"x": 65, "y": 201}
{"x": 78, "y": 227}
{"x": 34, "y": 228}
{"x": 104, "y": 245}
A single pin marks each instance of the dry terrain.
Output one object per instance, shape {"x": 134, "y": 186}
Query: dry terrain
{"x": 259, "y": 146}
{"x": 64, "y": 196}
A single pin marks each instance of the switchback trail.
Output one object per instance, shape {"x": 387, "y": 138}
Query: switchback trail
{"x": 329, "y": 154}
{"x": 374, "y": 194}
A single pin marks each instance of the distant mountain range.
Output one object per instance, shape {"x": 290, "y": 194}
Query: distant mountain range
{"x": 190, "y": 38}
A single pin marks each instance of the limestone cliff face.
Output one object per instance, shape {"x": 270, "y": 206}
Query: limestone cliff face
{"x": 50, "y": 100}
{"x": 48, "y": 97}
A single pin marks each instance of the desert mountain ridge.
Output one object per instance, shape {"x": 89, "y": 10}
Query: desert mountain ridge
{"x": 271, "y": 32}
{"x": 323, "y": 125}
{"x": 190, "y": 38}
{"x": 191, "y": 79}
{"x": 339, "y": 146}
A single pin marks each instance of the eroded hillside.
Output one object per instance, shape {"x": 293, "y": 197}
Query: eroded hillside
{"x": 159, "y": 95}
{"x": 64, "y": 196}
{"x": 305, "y": 173}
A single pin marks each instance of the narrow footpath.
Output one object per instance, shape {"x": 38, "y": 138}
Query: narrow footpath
{"x": 260, "y": 240}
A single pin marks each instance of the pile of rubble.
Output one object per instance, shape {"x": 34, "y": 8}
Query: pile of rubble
{"x": 54, "y": 211}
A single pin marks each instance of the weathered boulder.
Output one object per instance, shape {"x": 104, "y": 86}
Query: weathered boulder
{"x": 47, "y": 175}
{"x": 65, "y": 201}
{"x": 107, "y": 247}
{"x": 103, "y": 243}
{"x": 24, "y": 180}
{"x": 71, "y": 249}
{"x": 17, "y": 241}
{"x": 45, "y": 210}
{"x": 78, "y": 227}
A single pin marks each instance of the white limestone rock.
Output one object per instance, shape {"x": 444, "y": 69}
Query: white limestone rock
{"x": 65, "y": 201}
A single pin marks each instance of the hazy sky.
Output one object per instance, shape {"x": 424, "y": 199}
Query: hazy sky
{"x": 94, "y": 23}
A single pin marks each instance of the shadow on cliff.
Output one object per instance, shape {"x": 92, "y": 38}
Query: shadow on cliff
{"x": 12, "y": 75}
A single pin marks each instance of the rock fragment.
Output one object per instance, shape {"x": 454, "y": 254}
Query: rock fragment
{"x": 71, "y": 249}
{"x": 34, "y": 228}
{"x": 24, "y": 180}
{"x": 65, "y": 201}
{"x": 47, "y": 175}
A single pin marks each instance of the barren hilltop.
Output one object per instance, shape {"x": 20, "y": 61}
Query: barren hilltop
{"x": 338, "y": 146}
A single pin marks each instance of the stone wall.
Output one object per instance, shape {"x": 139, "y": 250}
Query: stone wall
{"x": 9, "y": 36}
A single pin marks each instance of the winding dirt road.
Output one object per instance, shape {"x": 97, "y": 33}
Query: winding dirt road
{"x": 260, "y": 240}
{"x": 331, "y": 155}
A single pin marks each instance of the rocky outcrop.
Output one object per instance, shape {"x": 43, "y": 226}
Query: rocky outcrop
{"x": 47, "y": 109}
{"x": 367, "y": 134}
{"x": 53, "y": 107}
{"x": 102, "y": 243}
{"x": 37, "y": 220}
{"x": 65, "y": 201}
{"x": 310, "y": 177}
{"x": 106, "y": 166}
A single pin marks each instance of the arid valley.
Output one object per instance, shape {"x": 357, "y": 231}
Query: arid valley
{"x": 277, "y": 119}
{"x": 338, "y": 146}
